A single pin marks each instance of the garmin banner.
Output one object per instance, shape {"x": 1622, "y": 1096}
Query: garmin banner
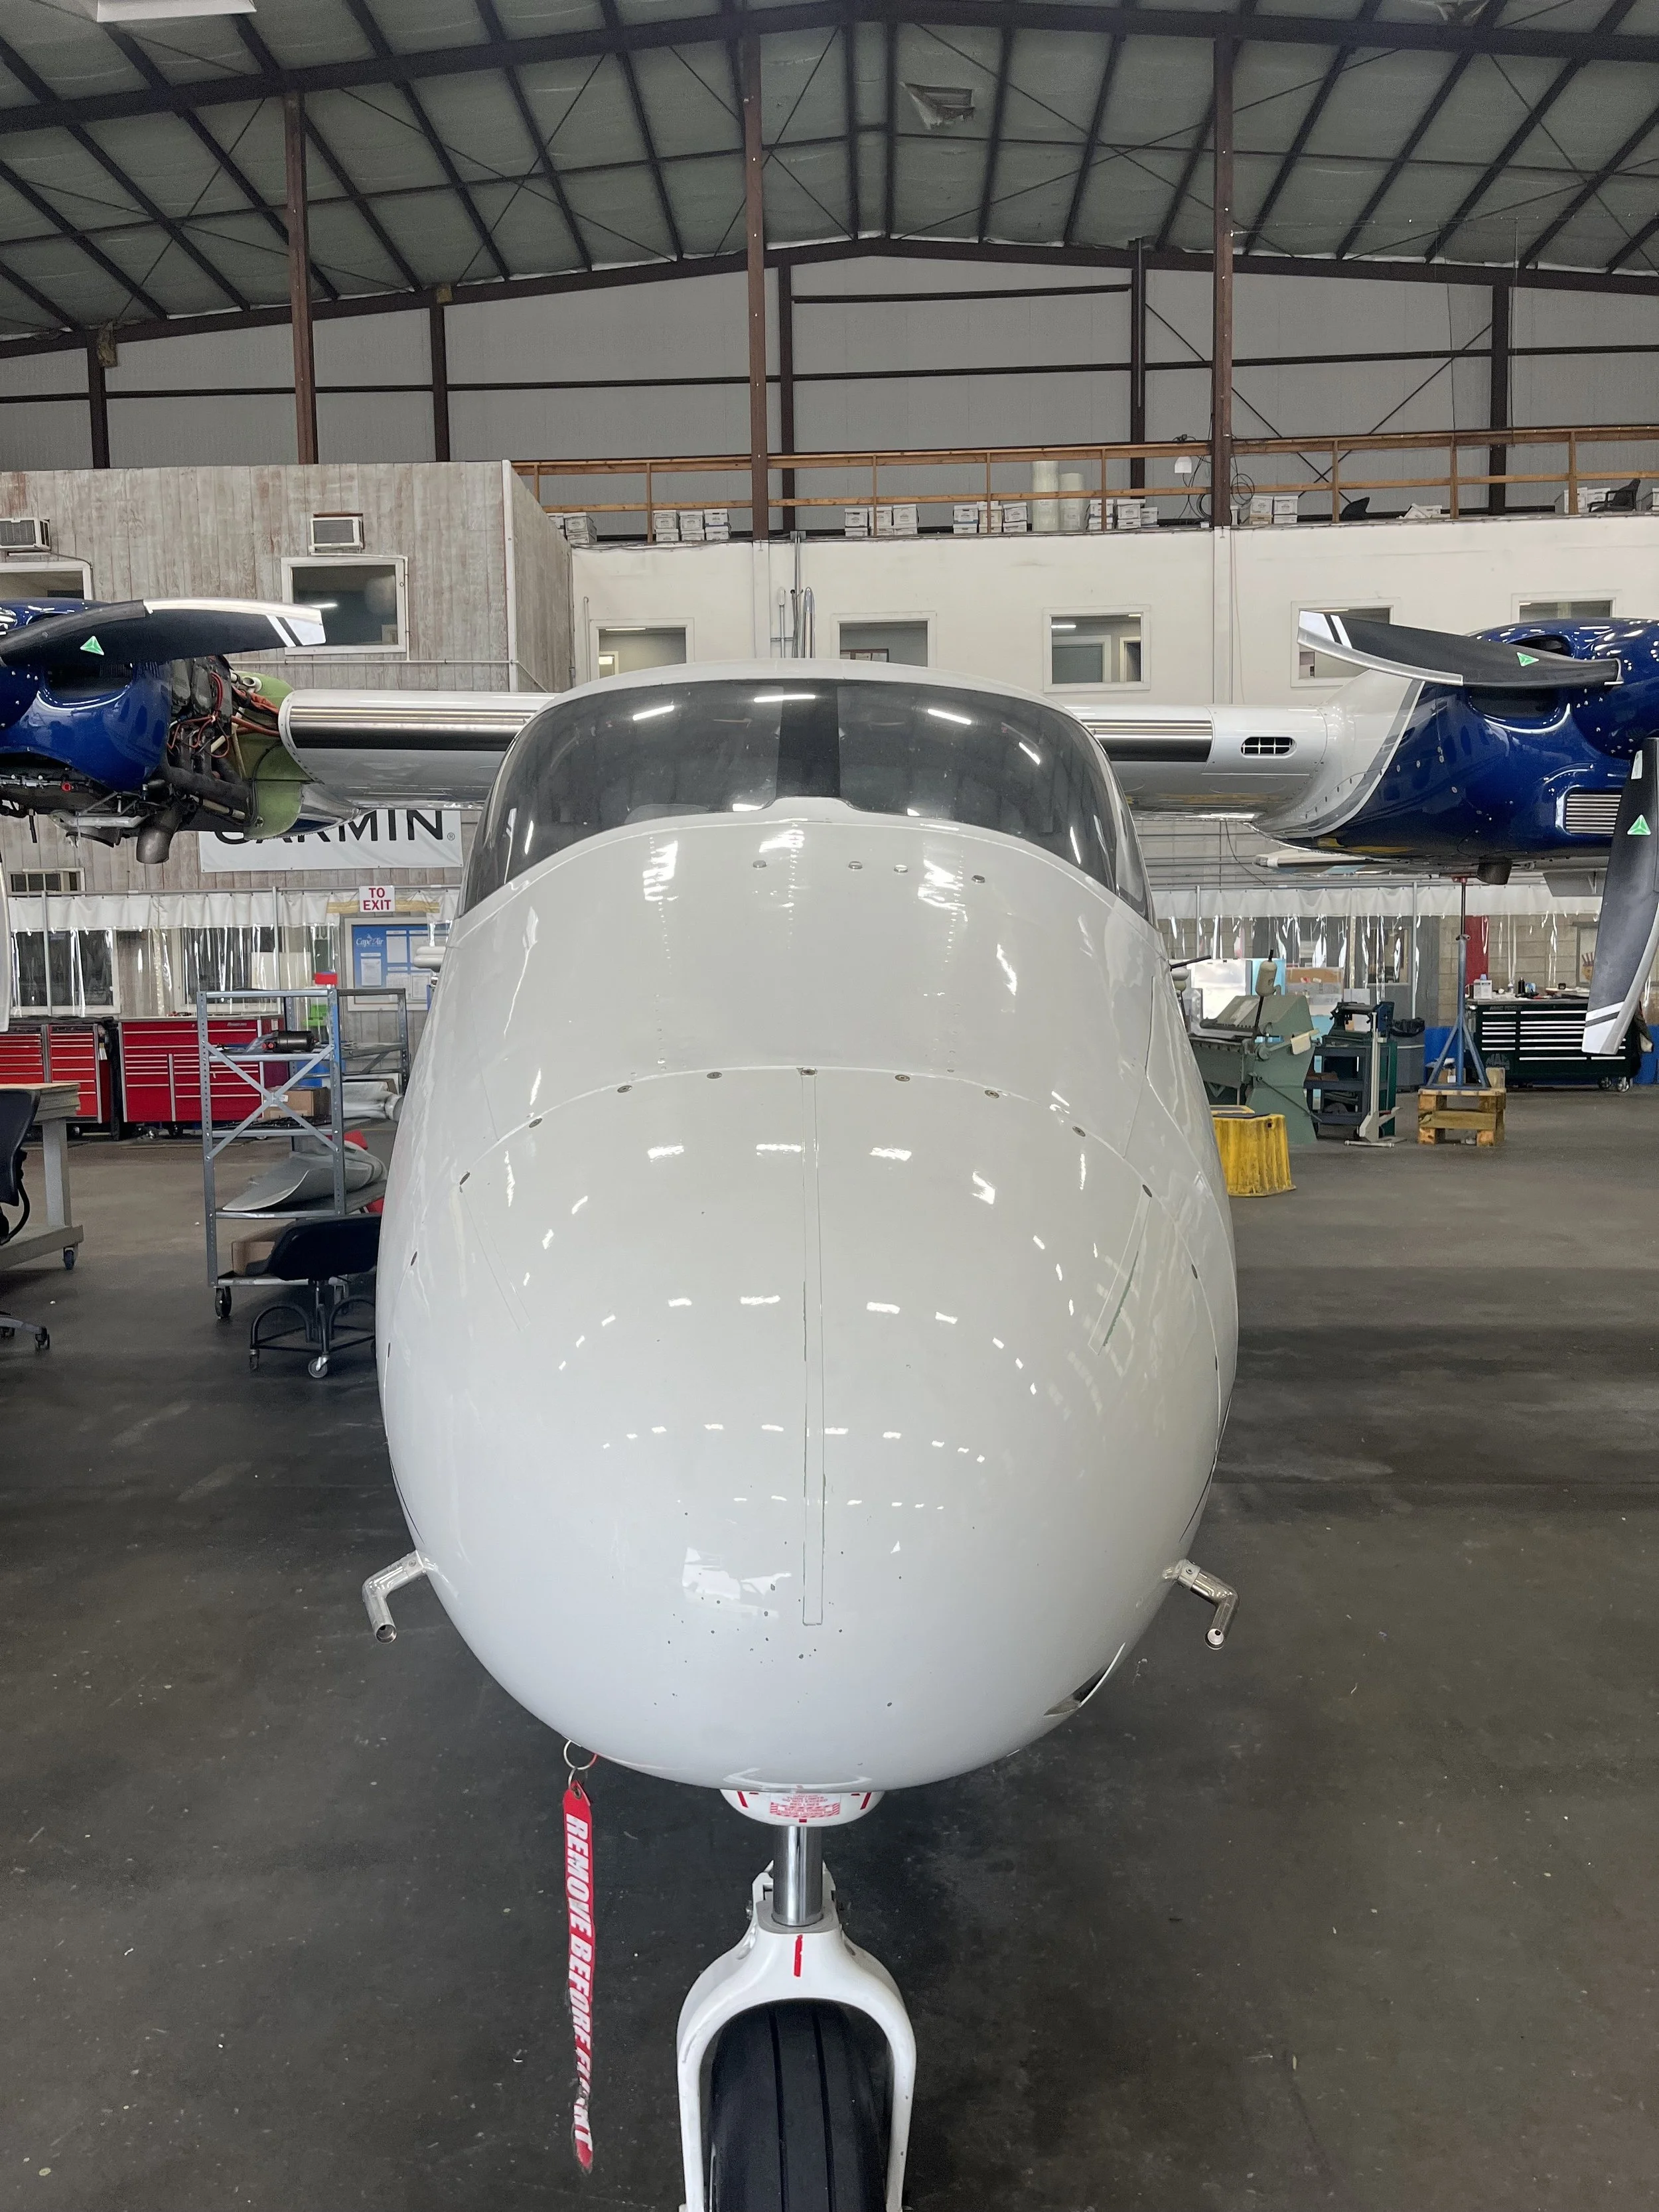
{"x": 389, "y": 837}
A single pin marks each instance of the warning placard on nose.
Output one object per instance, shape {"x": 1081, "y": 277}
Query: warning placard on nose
{"x": 386, "y": 837}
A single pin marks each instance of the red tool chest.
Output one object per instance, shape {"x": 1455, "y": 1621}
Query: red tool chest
{"x": 161, "y": 1069}
{"x": 80, "y": 1053}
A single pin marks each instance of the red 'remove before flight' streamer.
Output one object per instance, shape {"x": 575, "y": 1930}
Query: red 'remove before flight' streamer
{"x": 579, "y": 1901}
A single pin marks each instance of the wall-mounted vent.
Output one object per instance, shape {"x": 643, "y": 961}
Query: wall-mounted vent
{"x": 1591, "y": 813}
{"x": 336, "y": 533}
{"x": 1267, "y": 748}
{"x": 25, "y": 533}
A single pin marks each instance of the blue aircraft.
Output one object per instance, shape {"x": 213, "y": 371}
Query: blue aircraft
{"x": 1534, "y": 744}
{"x": 127, "y": 721}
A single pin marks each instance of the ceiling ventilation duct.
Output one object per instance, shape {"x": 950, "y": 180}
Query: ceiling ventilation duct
{"x": 938, "y": 105}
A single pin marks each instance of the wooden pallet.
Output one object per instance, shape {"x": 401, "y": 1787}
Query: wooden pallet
{"x": 1460, "y": 1114}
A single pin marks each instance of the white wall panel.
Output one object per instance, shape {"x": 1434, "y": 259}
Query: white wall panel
{"x": 209, "y": 359}
{"x": 45, "y": 372}
{"x": 527, "y": 425}
{"x": 368, "y": 350}
{"x": 695, "y": 327}
{"x": 989, "y": 600}
{"x": 374, "y": 426}
{"x": 53, "y": 436}
{"x": 200, "y": 432}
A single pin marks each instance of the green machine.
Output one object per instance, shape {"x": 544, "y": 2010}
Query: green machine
{"x": 1256, "y": 1053}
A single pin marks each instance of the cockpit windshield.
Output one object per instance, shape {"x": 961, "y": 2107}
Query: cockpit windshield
{"x": 643, "y": 754}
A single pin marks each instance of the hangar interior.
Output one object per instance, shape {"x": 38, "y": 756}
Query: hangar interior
{"x": 1169, "y": 384}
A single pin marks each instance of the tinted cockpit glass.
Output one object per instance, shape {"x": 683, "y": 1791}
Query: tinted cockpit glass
{"x": 643, "y": 754}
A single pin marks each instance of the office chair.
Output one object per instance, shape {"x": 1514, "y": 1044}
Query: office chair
{"x": 1621, "y": 499}
{"x": 327, "y": 1257}
{"x": 16, "y": 1113}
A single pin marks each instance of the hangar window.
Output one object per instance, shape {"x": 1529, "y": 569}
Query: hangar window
{"x": 1094, "y": 649}
{"x": 29, "y": 883}
{"x": 45, "y": 580}
{"x": 1573, "y": 610}
{"x": 1313, "y": 667}
{"x": 625, "y": 652}
{"x": 902, "y": 641}
{"x": 603, "y": 760}
{"x": 361, "y": 602}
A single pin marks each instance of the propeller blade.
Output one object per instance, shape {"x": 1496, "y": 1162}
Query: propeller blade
{"x": 149, "y": 630}
{"x": 1481, "y": 664}
{"x": 1628, "y": 936}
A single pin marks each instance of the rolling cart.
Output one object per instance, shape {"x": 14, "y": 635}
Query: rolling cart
{"x": 360, "y": 1033}
{"x": 1352, "y": 1082}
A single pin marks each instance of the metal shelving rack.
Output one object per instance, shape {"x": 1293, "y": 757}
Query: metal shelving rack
{"x": 269, "y": 1116}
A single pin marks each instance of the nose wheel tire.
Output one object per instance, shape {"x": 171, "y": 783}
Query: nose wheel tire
{"x": 793, "y": 2122}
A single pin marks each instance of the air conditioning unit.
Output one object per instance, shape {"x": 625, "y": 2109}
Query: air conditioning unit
{"x": 25, "y": 533}
{"x": 336, "y": 533}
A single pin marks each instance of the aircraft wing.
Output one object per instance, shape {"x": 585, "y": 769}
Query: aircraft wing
{"x": 406, "y": 748}
{"x": 1432, "y": 656}
{"x": 143, "y": 631}
{"x": 1627, "y": 937}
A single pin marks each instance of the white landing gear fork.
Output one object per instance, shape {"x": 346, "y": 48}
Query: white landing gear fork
{"x": 778, "y": 2101}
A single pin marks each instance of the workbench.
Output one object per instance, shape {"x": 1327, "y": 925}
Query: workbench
{"x": 51, "y": 1225}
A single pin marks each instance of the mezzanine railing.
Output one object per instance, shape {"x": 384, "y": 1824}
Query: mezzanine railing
{"x": 1570, "y": 469}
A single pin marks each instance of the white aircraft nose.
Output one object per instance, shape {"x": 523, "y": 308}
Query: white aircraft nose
{"x": 743, "y": 1388}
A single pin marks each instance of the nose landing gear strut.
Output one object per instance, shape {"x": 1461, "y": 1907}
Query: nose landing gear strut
{"x": 780, "y": 2103}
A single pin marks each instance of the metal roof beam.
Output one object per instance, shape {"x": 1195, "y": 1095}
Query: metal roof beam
{"x": 1608, "y": 283}
{"x": 1632, "y": 245}
{"x": 1517, "y": 138}
{"x": 849, "y": 95}
{"x": 363, "y": 16}
{"x": 1184, "y": 181}
{"x": 538, "y": 146}
{"x": 1092, "y": 138}
{"x": 40, "y": 89}
{"x": 1189, "y": 166}
{"x": 134, "y": 53}
{"x": 1592, "y": 185}
{"x": 618, "y": 32}
{"x": 262, "y": 53}
{"x": 1316, "y": 109}
{"x": 129, "y": 285}
{"x": 1448, "y": 85}
{"x": 1091, "y": 19}
{"x": 889, "y": 167}
{"x": 19, "y": 283}
{"x": 993, "y": 143}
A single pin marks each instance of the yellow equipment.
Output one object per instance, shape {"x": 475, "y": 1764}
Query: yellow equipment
{"x": 1255, "y": 1153}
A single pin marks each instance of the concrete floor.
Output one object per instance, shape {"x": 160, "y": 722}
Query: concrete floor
{"x": 1359, "y": 1912}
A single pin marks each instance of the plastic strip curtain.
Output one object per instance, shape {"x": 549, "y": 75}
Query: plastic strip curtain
{"x": 1323, "y": 954}
{"x": 147, "y": 972}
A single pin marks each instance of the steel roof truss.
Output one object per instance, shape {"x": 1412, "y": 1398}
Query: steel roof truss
{"x": 538, "y": 146}
{"x": 994, "y": 143}
{"x": 1298, "y": 145}
{"x": 363, "y": 16}
{"x": 131, "y": 287}
{"x": 1519, "y": 137}
{"x": 1092, "y": 140}
{"x": 614, "y": 25}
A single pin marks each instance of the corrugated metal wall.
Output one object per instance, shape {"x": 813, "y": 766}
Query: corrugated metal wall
{"x": 658, "y": 368}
